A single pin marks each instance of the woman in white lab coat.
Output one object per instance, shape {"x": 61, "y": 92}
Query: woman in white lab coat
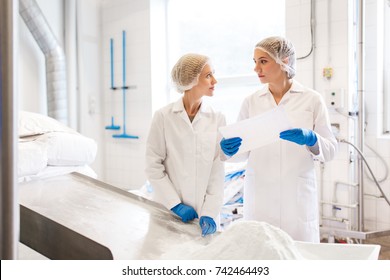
{"x": 182, "y": 154}
{"x": 280, "y": 183}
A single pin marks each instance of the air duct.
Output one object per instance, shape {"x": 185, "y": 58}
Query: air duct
{"x": 54, "y": 56}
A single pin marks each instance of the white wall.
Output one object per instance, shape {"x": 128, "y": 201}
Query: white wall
{"x": 89, "y": 77}
{"x": 124, "y": 158}
{"x": 377, "y": 214}
{"x": 334, "y": 48}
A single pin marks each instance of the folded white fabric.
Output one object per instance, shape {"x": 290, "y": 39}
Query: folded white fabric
{"x": 35, "y": 124}
{"x": 32, "y": 157}
{"x": 62, "y": 145}
{"x": 66, "y": 149}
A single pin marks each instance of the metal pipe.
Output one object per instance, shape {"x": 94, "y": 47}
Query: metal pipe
{"x": 361, "y": 116}
{"x": 8, "y": 99}
{"x": 71, "y": 61}
{"x": 55, "y": 59}
{"x": 313, "y": 26}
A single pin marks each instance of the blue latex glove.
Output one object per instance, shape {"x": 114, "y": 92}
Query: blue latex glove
{"x": 230, "y": 146}
{"x": 301, "y": 136}
{"x": 207, "y": 225}
{"x": 185, "y": 212}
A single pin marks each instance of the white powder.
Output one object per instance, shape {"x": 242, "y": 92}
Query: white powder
{"x": 242, "y": 240}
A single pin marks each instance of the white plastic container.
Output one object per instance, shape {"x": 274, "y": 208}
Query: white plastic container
{"x": 332, "y": 251}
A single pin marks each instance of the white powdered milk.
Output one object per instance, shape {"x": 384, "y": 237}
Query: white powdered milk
{"x": 242, "y": 240}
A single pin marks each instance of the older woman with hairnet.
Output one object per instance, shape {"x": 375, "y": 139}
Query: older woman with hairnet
{"x": 280, "y": 183}
{"x": 182, "y": 154}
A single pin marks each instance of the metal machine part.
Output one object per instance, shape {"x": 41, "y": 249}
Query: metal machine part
{"x": 56, "y": 241}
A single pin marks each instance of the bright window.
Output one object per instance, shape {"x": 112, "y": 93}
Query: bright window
{"x": 227, "y": 32}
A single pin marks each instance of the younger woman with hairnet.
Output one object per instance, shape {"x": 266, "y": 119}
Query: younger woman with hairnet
{"x": 280, "y": 184}
{"x": 182, "y": 154}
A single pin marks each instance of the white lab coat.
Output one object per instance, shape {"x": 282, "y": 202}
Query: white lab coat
{"x": 280, "y": 181}
{"x": 183, "y": 159}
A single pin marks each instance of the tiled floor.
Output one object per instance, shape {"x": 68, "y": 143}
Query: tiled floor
{"x": 384, "y": 254}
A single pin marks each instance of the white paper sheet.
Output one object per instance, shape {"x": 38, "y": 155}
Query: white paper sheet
{"x": 258, "y": 131}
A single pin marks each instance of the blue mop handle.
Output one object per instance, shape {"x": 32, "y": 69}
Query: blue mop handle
{"x": 124, "y": 57}
{"x": 112, "y": 62}
{"x": 124, "y": 87}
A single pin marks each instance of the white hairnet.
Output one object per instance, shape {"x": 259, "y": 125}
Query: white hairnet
{"x": 279, "y": 49}
{"x": 186, "y": 71}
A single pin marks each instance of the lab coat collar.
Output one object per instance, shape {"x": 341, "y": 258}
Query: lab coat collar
{"x": 296, "y": 87}
{"x": 263, "y": 91}
{"x": 178, "y": 106}
{"x": 205, "y": 108}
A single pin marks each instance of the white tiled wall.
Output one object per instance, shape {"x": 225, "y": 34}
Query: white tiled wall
{"x": 378, "y": 213}
{"x": 333, "y": 48}
{"x": 124, "y": 158}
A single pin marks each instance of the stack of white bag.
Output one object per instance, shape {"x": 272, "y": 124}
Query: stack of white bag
{"x": 44, "y": 142}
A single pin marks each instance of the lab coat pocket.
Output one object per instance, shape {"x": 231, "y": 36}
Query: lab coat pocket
{"x": 208, "y": 145}
{"x": 302, "y": 119}
{"x": 306, "y": 199}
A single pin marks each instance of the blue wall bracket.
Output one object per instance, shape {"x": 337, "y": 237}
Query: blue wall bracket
{"x": 112, "y": 126}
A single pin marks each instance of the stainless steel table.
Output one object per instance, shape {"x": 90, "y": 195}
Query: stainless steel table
{"x": 76, "y": 217}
